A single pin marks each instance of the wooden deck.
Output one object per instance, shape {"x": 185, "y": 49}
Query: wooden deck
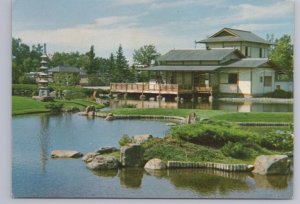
{"x": 144, "y": 88}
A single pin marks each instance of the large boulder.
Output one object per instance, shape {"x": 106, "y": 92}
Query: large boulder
{"x": 271, "y": 164}
{"x": 139, "y": 139}
{"x": 132, "y": 155}
{"x": 105, "y": 150}
{"x": 101, "y": 162}
{"x": 65, "y": 154}
{"x": 155, "y": 164}
{"x": 89, "y": 157}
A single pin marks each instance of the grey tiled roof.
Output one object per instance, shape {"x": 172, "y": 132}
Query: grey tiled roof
{"x": 197, "y": 55}
{"x": 242, "y": 63}
{"x": 66, "y": 69}
{"x": 180, "y": 68}
{"x": 240, "y": 36}
{"x": 248, "y": 63}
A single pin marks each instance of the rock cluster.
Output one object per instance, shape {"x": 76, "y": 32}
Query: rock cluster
{"x": 65, "y": 154}
{"x": 139, "y": 139}
{"x": 155, "y": 164}
{"x": 132, "y": 155}
{"x": 271, "y": 164}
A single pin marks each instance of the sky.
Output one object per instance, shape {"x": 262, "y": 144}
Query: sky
{"x": 75, "y": 25}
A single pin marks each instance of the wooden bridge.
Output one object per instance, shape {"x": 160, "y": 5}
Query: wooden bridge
{"x": 147, "y": 88}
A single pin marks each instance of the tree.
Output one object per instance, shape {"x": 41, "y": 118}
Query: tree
{"x": 282, "y": 55}
{"x": 145, "y": 54}
{"x": 122, "y": 72}
{"x": 91, "y": 68}
{"x": 24, "y": 59}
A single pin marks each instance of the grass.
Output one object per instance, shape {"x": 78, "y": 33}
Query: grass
{"x": 256, "y": 117}
{"x": 167, "y": 112}
{"x": 26, "y": 105}
{"x": 213, "y": 114}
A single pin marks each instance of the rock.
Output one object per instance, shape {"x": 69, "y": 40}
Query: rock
{"x": 271, "y": 164}
{"x": 250, "y": 167}
{"x": 53, "y": 94}
{"x": 155, "y": 164}
{"x": 82, "y": 113}
{"x": 89, "y": 157}
{"x": 65, "y": 154}
{"x": 132, "y": 155}
{"x": 101, "y": 162}
{"x": 104, "y": 150}
{"x": 139, "y": 139}
{"x": 109, "y": 117}
{"x": 91, "y": 113}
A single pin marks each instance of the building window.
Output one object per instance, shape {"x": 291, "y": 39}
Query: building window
{"x": 232, "y": 78}
{"x": 260, "y": 52}
{"x": 268, "y": 81}
{"x": 247, "y": 51}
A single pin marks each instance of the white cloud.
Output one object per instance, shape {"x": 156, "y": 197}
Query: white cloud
{"x": 178, "y": 3}
{"x": 259, "y": 27}
{"x": 272, "y": 11}
{"x": 105, "y": 39}
{"x": 113, "y": 20}
{"x": 132, "y": 2}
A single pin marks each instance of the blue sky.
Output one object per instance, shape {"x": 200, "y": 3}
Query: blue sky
{"x": 75, "y": 25}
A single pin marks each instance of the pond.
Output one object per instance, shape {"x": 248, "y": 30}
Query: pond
{"x": 228, "y": 106}
{"x": 35, "y": 174}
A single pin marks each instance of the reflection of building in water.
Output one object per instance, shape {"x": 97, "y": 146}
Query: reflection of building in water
{"x": 131, "y": 177}
{"x": 43, "y": 137}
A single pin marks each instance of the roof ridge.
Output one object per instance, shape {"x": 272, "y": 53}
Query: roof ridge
{"x": 238, "y": 30}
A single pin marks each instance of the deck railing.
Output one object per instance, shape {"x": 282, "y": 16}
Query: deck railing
{"x": 144, "y": 88}
{"x": 156, "y": 88}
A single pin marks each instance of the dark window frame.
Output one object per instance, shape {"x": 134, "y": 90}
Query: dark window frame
{"x": 232, "y": 78}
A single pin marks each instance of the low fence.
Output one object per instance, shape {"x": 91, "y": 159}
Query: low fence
{"x": 210, "y": 165}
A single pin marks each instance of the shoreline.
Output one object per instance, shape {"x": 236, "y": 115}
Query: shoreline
{"x": 258, "y": 100}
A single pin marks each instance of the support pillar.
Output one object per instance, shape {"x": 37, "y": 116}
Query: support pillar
{"x": 159, "y": 97}
{"x": 142, "y": 97}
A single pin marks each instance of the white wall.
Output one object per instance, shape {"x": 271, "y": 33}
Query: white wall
{"x": 244, "y": 81}
{"x": 243, "y": 85}
{"x": 285, "y": 85}
{"x": 258, "y": 87}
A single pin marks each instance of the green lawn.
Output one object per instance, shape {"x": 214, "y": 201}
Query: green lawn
{"x": 26, "y": 105}
{"x": 256, "y": 117}
{"x": 213, "y": 114}
{"x": 167, "y": 112}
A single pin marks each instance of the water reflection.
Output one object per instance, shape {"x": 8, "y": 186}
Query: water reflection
{"x": 206, "y": 182}
{"x": 43, "y": 138}
{"x": 228, "y": 106}
{"x": 131, "y": 177}
{"x": 272, "y": 181}
{"x": 106, "y": 173}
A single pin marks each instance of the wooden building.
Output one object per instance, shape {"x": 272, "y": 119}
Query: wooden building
{"x": 233, "y": 64}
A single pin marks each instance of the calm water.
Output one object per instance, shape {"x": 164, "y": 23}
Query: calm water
{"x": 228, "y": 106}
{"x": 35, "y": 174}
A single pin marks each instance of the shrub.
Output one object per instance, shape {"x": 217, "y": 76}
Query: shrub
{"x": 212, "y": 135}
{"x": 235, "y": 150}
{"x": 125, "y": 139}
{"x": 277, "y": 141}
{"x": 278, "y": 93}
{"x": 24, "y": 89}
{"x": 54, "y": 107}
